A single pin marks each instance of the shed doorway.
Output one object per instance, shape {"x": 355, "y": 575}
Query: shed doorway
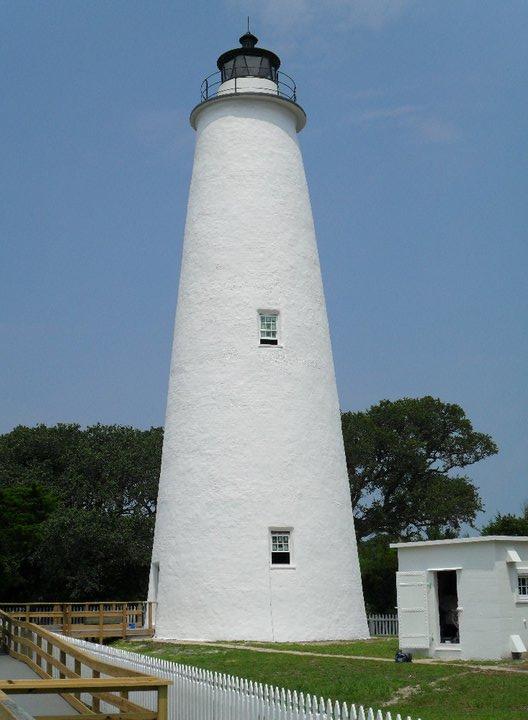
{"x": 447, "y": 590}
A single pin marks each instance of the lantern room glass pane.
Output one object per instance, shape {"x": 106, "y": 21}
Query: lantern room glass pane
{"x": 227, "y": 70}
{"x": 248, "y": 66}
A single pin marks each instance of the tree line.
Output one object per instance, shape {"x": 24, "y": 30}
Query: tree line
{"x": 77, "y": 506}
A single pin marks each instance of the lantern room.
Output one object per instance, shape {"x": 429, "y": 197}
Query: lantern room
{"x": 248, "y": 61}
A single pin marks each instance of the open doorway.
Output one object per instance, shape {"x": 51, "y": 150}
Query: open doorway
{"x": 448, "y": 605}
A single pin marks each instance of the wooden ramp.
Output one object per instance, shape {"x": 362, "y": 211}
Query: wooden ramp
{"x": 87, "y": 685}
{"x": 11, "y": 669}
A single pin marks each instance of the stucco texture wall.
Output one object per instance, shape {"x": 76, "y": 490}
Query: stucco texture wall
{"x": 252, "y": 433}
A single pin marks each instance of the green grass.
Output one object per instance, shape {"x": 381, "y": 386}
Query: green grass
{"x": 481, "y": 695}
{"x": 377, "y": 647}
{"x": 439, "y": 692}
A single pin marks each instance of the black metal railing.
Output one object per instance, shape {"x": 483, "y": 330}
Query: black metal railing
{"x": 285, "y": 85}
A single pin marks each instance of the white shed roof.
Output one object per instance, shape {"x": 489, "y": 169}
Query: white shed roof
{"x": 456, "y": 541}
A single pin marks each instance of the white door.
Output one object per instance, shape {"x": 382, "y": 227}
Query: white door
{"x": 413, "y": 610}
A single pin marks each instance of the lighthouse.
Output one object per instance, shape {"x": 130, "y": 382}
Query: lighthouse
{"x": 254, "y": 535}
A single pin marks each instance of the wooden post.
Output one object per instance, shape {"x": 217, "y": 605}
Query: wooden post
{"x": 101, "y": 623}
{"x": 38, "y": 658}
{"x": 56, "y": 609}
{"x": 62, "y": 658}
{"x": 124, "y": 621}
{"x": 49, "y": 651}
{"x": 96, "y": 703}
{"x": 25, "y": 650}
{"x": 163, "y": 695}
{"x": 19, "y": 648}
{"x": 12, "y": 636}
{"x": 27, "y": 612}
{"x": 78, "y": 672}
{"x": 67, "y": 626}
{"x": 7, "y": 632}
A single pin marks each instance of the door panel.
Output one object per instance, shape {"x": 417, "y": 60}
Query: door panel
{"x": 413, "y": 609}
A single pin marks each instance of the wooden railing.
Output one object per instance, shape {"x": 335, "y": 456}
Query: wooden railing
{"x": 83, "y": 681}
{"x": 96, "y": 620}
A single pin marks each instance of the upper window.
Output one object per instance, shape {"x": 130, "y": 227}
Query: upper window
{"x": 268, "y": 331}
{"x": 522, "y": 584}
{"x": 280, "y": 547}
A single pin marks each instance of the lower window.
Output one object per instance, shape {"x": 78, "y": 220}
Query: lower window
{"x": 522, "y": 585}
{"x": 268, "y": 330}
{"x": 280, "y": 547}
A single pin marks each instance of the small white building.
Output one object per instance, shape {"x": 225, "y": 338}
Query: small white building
{"x": 465, "y": 598}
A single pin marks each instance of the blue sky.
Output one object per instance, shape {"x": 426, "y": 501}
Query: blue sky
{"x": 415, "y": 151}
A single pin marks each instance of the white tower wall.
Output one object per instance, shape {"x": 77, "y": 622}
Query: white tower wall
{"x": 252, "y": 434}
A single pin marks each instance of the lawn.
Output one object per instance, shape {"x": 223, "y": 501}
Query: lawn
{"x": 431, "y": 692}
{"x": 377, "y": 647}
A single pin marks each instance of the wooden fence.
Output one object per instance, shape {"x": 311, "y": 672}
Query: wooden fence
{"x": 97, "y": 620}
{"x": 386, "y": 624}
{"x": 90, "y": 685}
{"x": 197, "y": 694}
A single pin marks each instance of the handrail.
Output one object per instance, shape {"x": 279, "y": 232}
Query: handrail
{"x": 56, "y": 641}
{"x": 286, "y": 87}
{"x": 89, "y": 619}
{"x": 62, "y": 669}
{"x": 64, "y": 685}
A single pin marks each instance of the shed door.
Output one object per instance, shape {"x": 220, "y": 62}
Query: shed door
{"x": 413, "y": 614}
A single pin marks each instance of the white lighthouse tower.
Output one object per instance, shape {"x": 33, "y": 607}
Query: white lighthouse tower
{"x": 254, "y": 532}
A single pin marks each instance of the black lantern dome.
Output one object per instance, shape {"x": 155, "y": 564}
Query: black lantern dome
{"x": 248, "y": 61}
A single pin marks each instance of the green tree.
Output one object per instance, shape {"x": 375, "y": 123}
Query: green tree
{"x": 24, "y": 510}
{"x": 93, "y": 493}
{"x": 508, "y": 524}
{"x": 401, "y": 459}
{"x": 97, "y": 541}
{"x": 378, "y": 573}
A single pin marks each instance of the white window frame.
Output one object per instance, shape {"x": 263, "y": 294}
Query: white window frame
{"x": 276, "y": 315}
{"x": 522, "y": 579}
{"x": 273, "y": 531}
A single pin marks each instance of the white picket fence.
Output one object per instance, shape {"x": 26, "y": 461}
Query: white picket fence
{"x": 198, "y": 694}
{"x": 386, "y": 624}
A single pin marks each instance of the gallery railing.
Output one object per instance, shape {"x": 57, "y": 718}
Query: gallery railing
{"x": 286, "y": 87}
